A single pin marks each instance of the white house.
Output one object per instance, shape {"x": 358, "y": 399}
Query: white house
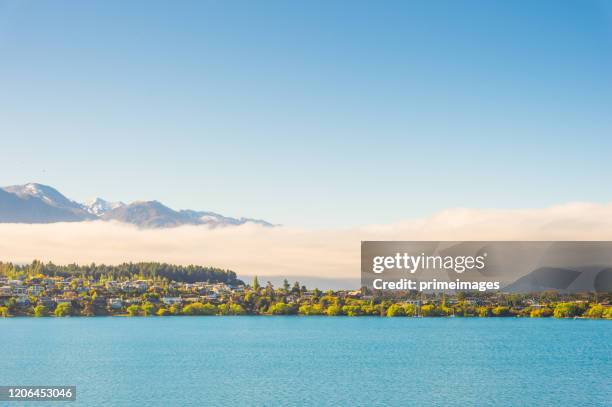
{"x": 172, "y": 300}
{"x": 115, "y": 303}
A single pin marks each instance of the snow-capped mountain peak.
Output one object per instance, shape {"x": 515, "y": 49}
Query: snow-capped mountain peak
{"x": 46, "y": 194}
{"x": 42, "y": 204}
{"x": 99, "y": 206}
{"x": 43, "y": 192}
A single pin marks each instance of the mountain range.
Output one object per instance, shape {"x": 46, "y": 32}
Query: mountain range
{"x": 37, "y": 203}
{"x": 577, "y": 279}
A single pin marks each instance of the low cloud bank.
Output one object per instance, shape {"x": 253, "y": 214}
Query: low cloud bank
{"x": 291, "y": 252}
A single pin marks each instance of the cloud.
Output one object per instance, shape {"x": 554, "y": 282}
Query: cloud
{"x": 291, "y": 252}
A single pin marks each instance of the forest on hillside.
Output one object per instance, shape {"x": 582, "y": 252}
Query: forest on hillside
{"x": 125, "y": 271}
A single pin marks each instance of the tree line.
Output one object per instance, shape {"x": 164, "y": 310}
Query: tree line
{"x": 124, "y": 271}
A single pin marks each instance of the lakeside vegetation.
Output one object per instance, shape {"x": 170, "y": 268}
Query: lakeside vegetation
{"x": 155, "y": 289}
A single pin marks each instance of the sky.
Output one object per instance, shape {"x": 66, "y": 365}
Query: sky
{"x": 325, "y": 114}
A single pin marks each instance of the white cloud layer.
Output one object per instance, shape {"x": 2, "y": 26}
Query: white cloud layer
{"x": 286, "y": 251}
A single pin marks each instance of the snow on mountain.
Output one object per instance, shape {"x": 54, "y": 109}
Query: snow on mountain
{"x": 37, "y": 203}
{"x": 33, "y": 205}
{"x": 99, "y": 206}
{"x": 51, "y": 197}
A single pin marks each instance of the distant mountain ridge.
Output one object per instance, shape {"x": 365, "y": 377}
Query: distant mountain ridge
{"x": 37, "y": 203}
{"x": 578, "y": 279}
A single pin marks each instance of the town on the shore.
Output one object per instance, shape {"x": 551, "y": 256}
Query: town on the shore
{"x": 156, "y": 289}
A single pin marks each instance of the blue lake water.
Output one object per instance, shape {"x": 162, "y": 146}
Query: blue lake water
{"x": 312, "y": 361}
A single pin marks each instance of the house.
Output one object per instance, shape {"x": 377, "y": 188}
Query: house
{"x": 115, "y": 303}
{"x": 59, "y": 300}
{"x": 172, "y": 300}
{"x": 210, "y": 296}
{"x": 533, "y": 303}
{"x": 367, "y": 297}
{"x": 130, "y": 286}
{"x": 63, "y": 283}
{"x": 20, "y": 290}
{"x": 6, "y": 291}
{"x": 473, "y": 301}
{"x": 35, "y": 289}
{"x": 141, "y": 285}
{"x": 220, "y": 288}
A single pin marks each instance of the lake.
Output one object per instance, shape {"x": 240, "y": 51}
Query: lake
{"x": 312, "y": 361}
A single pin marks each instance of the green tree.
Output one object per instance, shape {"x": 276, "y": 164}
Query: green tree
{"x": 255, "y": 283}
{"x": 596, "y": 311}
{"x": 352, "y": 310}
{"x": 500, "y": 311}
{"x": 429, "y": 310}
{"x": 148, "y": 309}
{"x": 543, "y": 312}
{"x": 310, "y": 309}
{"x": 197, "y": 308}
{"x": 443, "y": 310}
{"x": 567, "y": 310}
{"x": 133, "y": 310}
{"x": 280, "y": 308}
{"x": 162, "y": 312}
{"x": 333, "y": 310}
{"x": 41, "y": 311}
{"x": 373, "y": 309}
{"x": 396, "y": 310}
{"x": 410, "y": 309}
{"x": 231, "y": 309}
{"x": 63, "y": 310}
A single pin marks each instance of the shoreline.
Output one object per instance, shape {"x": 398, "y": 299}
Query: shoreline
{"x": 299, "y": 316}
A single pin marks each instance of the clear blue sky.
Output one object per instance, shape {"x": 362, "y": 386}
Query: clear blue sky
{"x": 318, "y": 113}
